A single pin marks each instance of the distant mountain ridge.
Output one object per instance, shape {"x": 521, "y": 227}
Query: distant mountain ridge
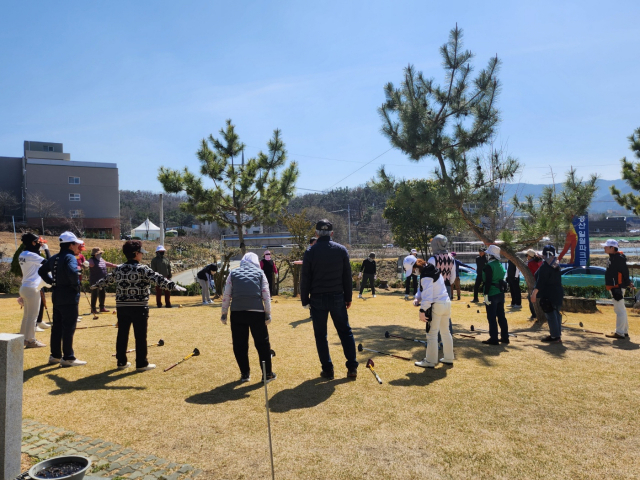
{"x": 602, "y": 202}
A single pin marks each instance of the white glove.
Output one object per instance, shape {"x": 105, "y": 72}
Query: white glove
{"x": 268, "y": 320}
{"x": 416, "y": 303}
{"x": 375, "y": 277}
{"x": 223, "y": 318}
{"x": 486, "y": 300}
{"x": 85, "y": 264}
{"x": 360, "y": 275}
{"x": 44, "y": 246}
{"x": 178, "y": 288}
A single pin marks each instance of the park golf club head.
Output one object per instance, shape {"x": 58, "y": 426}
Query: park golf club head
{"x": 370, "y": 363}
{"x": 160, "y": 343}
{"x": 196, "y": 352}
{"x": 272, "y": 352}
{"x": 386, "y": 334}
{"x": 359, "y": 347}
{"x": 473, "y": 329}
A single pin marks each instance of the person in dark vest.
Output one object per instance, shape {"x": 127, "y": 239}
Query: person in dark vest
{"x": 97, "y": 271}
{"x": 326, "y": 286}
{"x": 513, "y": 279}
{"x": 161, "y": 264}
{"x": 549, "y": 291}
{"x": 61, "y": 272}
{"x": 481, "y": 261}
{"x": 368, "y": 274}
{"x": 270, "y": 270}
{"x": 492, "y": 277}
{"x": 246, "y": 293}
{"x": 533, "y": 263}
{"x": 204, "y": 277}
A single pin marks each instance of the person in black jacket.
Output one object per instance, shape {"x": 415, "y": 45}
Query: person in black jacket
{"x": 325, "y": 286}
{"x": 513, "y": 279}
{"x": 616, "y": 280}
{"x": 270, "y": 269}
{"x": 204, "y": 277}
{"x": 549, "y": 290}
{"x": 481, "y": 261}
{"x": 61, "y": 272}
{"x": 368, "y": 274}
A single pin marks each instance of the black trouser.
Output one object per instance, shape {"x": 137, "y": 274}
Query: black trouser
{"x": 531, "y": 308}
{"x": 97, "y": 294}
{"x": 65, "y": 319}
{"x": 476, "y": 287}
{"x": 241, "y": 323}
{"x": 167, "y": 297}
{"x": 409, "y": 279}
{"x": 368, "y": 278}
{"x": 138, "y": 317}
{"x": 270, "y": 282}
{"x": 41, "y": 311}
{"x": 516, "y": 293}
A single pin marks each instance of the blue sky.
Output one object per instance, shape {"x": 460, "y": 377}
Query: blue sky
{"x": 141, "y": 83}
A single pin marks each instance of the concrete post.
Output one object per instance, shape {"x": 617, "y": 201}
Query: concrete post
{"x": 11, "y": 364}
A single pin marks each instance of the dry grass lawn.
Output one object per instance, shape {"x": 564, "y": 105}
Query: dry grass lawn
{"x": 526, "y": 410}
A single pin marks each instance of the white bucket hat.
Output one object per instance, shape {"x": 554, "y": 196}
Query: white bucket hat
{"x": 494, "y": 251}
{"x": 160, "y": 248}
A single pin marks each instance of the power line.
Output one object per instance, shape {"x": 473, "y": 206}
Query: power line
{"x": 358, "y": 169}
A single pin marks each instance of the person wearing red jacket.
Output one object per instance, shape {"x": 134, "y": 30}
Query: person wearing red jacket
{"x": 533, "y": 262}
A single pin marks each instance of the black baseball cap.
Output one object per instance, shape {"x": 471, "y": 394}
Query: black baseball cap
{"x": 324, "y": 224}
{"x": 29, "y": 237}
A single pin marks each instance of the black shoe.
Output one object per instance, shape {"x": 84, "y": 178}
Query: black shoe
{"x": 491, "y": 342}
{"x": 352, "y": 373}
{"x": 550, "y": 339}
{"x": 245, "y": 377}
{"x": 168, "y": 306}
{"x": 271, "y": 377}
{"x": 475, "y": 300}
{"x": 326, "y": 375}
{"x": 504, "y": 340}
{"x": 159, "y": 306}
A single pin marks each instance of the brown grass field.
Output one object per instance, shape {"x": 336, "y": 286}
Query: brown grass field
{"x": 526, "y": 410}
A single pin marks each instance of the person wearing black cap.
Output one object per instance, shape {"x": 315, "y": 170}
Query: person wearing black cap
{"x": 368, "y": 274}
{"x": 549, "y": 290}
{"x": 204, "y": 277}
{"x": 325, "y": 285}
{"x": 481, "y": 261}
{"x": 133, "y": 281}
{"x": 30, "y": 261}
{"x": 616, "y": 279}
{"x": 62, "y": 273}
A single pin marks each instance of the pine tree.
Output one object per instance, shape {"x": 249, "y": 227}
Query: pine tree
{"x": 249, "y": 193}
{"x": 630, "y": 173}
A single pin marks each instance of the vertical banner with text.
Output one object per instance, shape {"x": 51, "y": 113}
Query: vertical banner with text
{"x": 581, "y": 225}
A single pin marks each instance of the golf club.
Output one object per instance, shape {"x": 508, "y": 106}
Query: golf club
{"x": 361, "y": 348}
{"x": 473, "y": 329}
{"x": 389, "y": 335}
{"x": 95, "y": 316}
{"x": 580, "y": 323}
{"x": 195, "y": 353}
{"x": 266, "y": 403}
{"x": 159, "y": 344}
{"x": 272, "y": 352}
{"x": 94, "y": 326}
{"x": 370, "y": 367}
{"x": 583, "y": 330}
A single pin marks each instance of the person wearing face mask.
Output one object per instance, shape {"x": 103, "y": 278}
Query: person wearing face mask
{"x": 61, "y": 272}
{"x": 30, "y": 261}
{"x": 97, "y": 271}
{"x": 160, "y": 264}
{"x": 550, "y": 292}
{"x": 270, "y": 269}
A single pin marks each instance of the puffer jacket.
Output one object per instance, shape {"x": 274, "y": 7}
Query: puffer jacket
{"x": 549, "y": 283}
{"x": 617, "y": 274}
{"x": 61, "y": 272}
{"x": 325, "y": 269}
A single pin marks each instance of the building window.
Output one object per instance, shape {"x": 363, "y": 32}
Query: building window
{"x": 75, "y": 213}
{"x": 47, "y": 148}
{"x": 74, "y": 197}
{"x": 74, "y": 180}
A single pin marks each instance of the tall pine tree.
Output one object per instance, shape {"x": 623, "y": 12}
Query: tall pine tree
{"x": 630, "y": 173}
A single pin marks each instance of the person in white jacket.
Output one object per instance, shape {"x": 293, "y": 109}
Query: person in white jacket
{"x": 30, "y": 261}
{"x": 410, "y": 277}
{"x": 435, "y": 311}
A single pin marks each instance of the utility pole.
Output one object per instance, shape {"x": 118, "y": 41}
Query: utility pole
{"x": 15, "y": 238}
{"x": 349, "y": 214}
{"x": 42, "y": 222}
{"x": 161, "y": 220}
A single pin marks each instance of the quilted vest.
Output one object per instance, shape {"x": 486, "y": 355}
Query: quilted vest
{"x": 98, "y": 272}
{"x": 246, "y": 284}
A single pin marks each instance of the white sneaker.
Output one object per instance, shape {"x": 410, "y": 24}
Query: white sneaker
{"x": 79, "y": 319}
{"x": 151, "y": 366}
{"x": 205, "y": 303}
{"x": 38, "y": 329}
{"x": 122, "y": 367}
{"x": 373, "y": 296}
{"x": 424, "y": 364}
{"x": 34, "y": 344}
{"x": 72, "y": 363}
{"x": 359, "y": 296}
{"x": 210, "y": 302}
{"x": 446, "y": 362}
{"x": 53, "y": 360}
{"x": 406, "y": 297}
{"x": 43, "y": 325}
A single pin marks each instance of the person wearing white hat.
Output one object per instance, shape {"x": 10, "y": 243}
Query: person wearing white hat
{"x": 410, "y": 277}
{"x": 616, "y": 280}
{"x": 160, "y": 264}
{"x": 494, "y": 288}
{"x": 62, "y": 273}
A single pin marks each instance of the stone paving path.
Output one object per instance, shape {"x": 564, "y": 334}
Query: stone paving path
{"x": 109, "y": 460}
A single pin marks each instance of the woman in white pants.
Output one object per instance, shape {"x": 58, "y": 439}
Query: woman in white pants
{"x": 435, "y": 311}
{"x": 30, "y": 261}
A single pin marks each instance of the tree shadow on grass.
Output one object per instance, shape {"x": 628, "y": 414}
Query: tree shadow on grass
{"x": 306, "y": 395}
{"x": 98, "y": 381}
{"x": 224, "y": 393}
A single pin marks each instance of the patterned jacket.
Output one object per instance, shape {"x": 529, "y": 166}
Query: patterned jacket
{"x": 132, "y": 283}
{"x": 447, "y": 266}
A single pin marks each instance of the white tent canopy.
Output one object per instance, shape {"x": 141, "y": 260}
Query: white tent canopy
{"x": 147, "y": 230}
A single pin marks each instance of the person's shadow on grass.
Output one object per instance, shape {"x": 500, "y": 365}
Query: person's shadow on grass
{"x": 98, "y": 381}
{"x": 38, "y": 370}
{"x": 306, "y": 395}
{"x": 624, "y": 344}
{"x": 224, "y": 393}
{"x": 297, "y": 323}
{"x": 422, "y": 378}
